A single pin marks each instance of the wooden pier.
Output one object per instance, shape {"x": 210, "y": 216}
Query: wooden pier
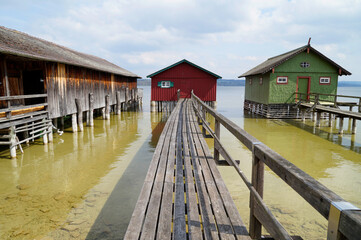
{"x": 184, "y": 196}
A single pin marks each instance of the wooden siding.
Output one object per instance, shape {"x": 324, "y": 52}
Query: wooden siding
{"x": 65, "y": 83}
{"x": 185, "y": 77}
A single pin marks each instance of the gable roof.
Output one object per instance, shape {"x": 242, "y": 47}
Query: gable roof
{"x": 273, "y": 62}
{"x": 183, "y": 61}
{"x": 21, "y": 44}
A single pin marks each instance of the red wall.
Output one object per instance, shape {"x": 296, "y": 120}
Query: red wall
{"x": 185, "y": 77}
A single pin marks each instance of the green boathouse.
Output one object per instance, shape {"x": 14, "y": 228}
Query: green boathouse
{"x": 271, "y": 87}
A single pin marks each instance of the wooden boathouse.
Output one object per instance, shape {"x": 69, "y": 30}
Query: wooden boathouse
{"x": 273, "y": 87}
{"x": 42, "y": 82}
{"x": 185, "y": 197}
{"x": 184, "y": 76}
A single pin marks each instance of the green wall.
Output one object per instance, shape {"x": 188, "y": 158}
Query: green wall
{"x": 257, "y": 92}
{"x": 271, "y": 92}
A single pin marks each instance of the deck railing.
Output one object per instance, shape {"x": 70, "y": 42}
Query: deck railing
{"x": 326, "y": 98}
{"x": 344, "y": 219}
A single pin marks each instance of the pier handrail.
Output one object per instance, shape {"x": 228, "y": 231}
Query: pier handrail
{"x": 311, "y": 95}
{"x": 347, "y": 223}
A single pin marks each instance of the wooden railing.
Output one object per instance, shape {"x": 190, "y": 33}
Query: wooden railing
{"x": 318, "y": 97}
{"x": 342, "y": 223}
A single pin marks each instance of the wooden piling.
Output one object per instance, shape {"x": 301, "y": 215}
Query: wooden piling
{"x": 353, "y": 131}
{"x": 330, "y": 118}
{"x": 12, "y": 142}
{"x": 107, "y": 107}
{"x": 79, "y": 114}
{"x": 90, "y": 118}
{"x": 50, "y": 132}
{"x": 303, "y": 112}
{"x": 45, "y": 137}
{"x": 340, "y": 126}
{"x": 318, "y": 121}
{"x": 74, "y": 126}
{"x": 118, "y": 105}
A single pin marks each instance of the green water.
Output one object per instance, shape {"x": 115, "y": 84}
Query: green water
{"x": 85, "y": 185}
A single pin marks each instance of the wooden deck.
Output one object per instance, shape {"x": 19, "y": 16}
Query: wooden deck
{"x": 184, "y": 196}
{"x": 337, "y": 111}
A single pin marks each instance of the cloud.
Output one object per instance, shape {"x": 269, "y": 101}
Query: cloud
{"x": 228, "y": 36}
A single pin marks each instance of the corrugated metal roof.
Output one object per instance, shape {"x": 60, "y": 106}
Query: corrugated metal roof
{"x": 183, "y": 61}
{"x": 21, "y": 44}
{"x": 273, "y": 62}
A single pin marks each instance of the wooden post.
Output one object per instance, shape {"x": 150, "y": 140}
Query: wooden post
{"x": 50, "y": 132}
{"x": 45, "y": 137}
{"x": 178, "y": 94}
{"x": 6, "y": 83}
{"x": 79, "y": 114}
{"x": 61, "y": 124}
{"x": 204, "y": 121}
{"x": 318, "y": 122}
{"x": 126, "y": 99}
{"x": 117, "y": 111}
{"x": 335, "y": 101}
{"x": 107, "y": 112}
{"x": 303, "y": 112}
{"x": 255, "y": 227}
{"x": 330, "y": 117}
{"x": 353, "y": 125}
{"x": 359, "y": 105}
{"x": 340, "y": 126}
{"x": 90, "y": 117}
{"x": 74, "y": 126}
{"x": 12, "y": 142}
{"x": 217, "y": 131}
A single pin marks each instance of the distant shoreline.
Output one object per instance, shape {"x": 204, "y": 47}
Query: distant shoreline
{"x": 237, "y": 82}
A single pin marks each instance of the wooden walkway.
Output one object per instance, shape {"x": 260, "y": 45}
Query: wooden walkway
{"x": 184, "y": 196}
{"x": 337, "y": 111}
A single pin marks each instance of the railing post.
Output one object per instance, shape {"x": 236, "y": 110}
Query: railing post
{"x": 204, "y": 120}
{"x": 335, "y": 101}
{"x": 359, "y": 105}
{"x": 255, "y": 227}
{"x": 217, "y": 131}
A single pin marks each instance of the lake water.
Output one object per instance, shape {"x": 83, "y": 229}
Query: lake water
{"x": 85, "y": 185}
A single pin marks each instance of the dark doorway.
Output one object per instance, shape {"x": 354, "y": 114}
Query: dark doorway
{"x": 33, "y": 84}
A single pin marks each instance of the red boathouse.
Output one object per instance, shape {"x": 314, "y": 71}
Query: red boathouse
{"x": 185, "y": 76}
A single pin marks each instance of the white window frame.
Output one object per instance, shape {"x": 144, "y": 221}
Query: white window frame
{"x": 282, "y": 80}
{"x": 165, "y": 84}
{"x": 325, "y": 80}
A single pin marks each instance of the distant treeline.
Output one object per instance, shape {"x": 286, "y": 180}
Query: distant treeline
{"x": 237, "y": 82}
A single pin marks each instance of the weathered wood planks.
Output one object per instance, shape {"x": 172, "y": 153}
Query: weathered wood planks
{"x": 184, "y": 196}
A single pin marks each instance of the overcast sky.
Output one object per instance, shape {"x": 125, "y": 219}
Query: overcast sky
{"x": 227, "y": 37}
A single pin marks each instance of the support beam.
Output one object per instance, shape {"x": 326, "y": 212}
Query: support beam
{"x": 74, "y": 125}
{"x": 107, "y": 107}
{"x": 90, "y": 117}
{"x": 118, "y": 105}
{"x": 79, "y": 114}
{"x": 340, "y": 126}
{"x": 13, "y": 142}
{"x": 353, "y": 131}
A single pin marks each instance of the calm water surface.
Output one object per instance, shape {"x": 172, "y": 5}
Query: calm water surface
{"x": 85, "y": 185}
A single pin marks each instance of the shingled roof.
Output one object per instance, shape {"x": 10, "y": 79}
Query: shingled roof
{"x": 21, "y": 44}
{"x": 273, "y": 62}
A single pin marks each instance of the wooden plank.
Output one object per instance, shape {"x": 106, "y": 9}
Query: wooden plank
{"x": 179, "y": 229}
{"x": 18, "y": 97}
{"x": 238, "y": 226}
{"x": 208, "y": 221}
{"x": 165, "y": 216}
{"x": 223, "y": 223}
{"x": 136, "y": 222}
{"x": 194, "y": 221}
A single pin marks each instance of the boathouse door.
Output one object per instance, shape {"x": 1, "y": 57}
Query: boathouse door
{"x": 185, "y": 90}
{"x": 303, "y": 87}
{"x": 33, "y": 84}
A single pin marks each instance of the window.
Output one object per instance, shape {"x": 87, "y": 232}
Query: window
{"x": 304, "y": 64}
{"x": 282, "y": 80}
{"x": 260, "y": 81}
{"x": 325, "y": 80}
{"x": 165, "y": 84}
